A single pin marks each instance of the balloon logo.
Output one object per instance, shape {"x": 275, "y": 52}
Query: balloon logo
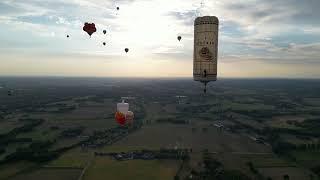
{"x": 205, "y": 53}
{"x": 179, "y": 38}
{"x": 120, "y": 118}
{"x": 90, "y": 28}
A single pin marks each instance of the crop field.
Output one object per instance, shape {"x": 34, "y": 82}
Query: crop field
{"x": 282, "y": 121}
{"x": 182, "y": 136}
{"x": 50, "y": 174}
{"x": 75, "y": 158}
{"x": 40, "y": 135}
{"x": 312, "y": 101}
{"x": 239, "y": 160}
{"x": 6, "y": 126}
{"x": 277, "y": 173}
{"x": 249, "y": 106}
{"x": 12, "y": 169}
{"x": 307, "y": 158}
{"x": 105, "y": 168}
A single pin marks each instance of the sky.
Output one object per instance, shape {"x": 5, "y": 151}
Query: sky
{"x": 257, "y": 38}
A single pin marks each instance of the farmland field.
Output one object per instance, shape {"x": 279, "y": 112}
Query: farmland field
{"x": 50, "y": 174}
{"x": 181, "y": 136}
{"x": 106, "y": 168}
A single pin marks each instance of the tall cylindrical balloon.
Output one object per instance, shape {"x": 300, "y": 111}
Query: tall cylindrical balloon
{"x": 205, "y": 52}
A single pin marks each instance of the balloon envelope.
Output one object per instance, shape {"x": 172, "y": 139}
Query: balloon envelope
{"x": 126, "y": 50}
{"x": 104, "y": 31}
{"x": 123, "y": 107}
{"x": 120, "y": 118}
{"x": 179, "y": 38}
{"x": 90, "y": 28}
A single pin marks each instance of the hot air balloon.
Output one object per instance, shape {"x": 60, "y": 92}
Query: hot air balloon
{"x": 118, "y": 8}
{"x": 68, "y": 36}
{"x": 104, "y": 43}
{"x": 120, "y": 116}
{"x": 90, "y": 28}
{"x": 179, "y": 38}
{"x": 129, "y": 117}
{"x": 126, "y": 50}
{"x": 9, "y": 93}
{"x": 205, "y": 49}
{"x": 104, "y": 32}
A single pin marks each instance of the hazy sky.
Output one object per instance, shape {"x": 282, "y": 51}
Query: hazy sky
{"x": 258, "y": 38}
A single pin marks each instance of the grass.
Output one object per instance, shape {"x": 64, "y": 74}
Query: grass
{"x": 106, "y": 168}
{"x": 120, "y": 148}
{"x": 312, "y": 101}
{"x": 307, "y": 158}
{"x": 40, "y": 135}
{"x": 269, "y": 162}
{"x": 75, "y": 158}
{"x": 7, "y": 126}
{"x": 49, "y": 174}
{"x": 282, "y": 121}
{"x": 250, "y": 107}
{"x": 9, "y": 170}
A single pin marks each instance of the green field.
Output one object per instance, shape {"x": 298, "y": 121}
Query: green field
{"x": 50, "y": 174}
{"x": 312, "y": 101}
{"x": 75, "y": 158}
{"x": 278, "y": 173}
{"x": 40, "y": 135}
{"x": 12, "y": 169}
{"x": 249, "y": 107}
{"x": 106, "y": 168}
{"x": 307, "y": 158}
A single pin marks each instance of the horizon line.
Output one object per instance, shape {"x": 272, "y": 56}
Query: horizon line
{"x": 151, "y": 77}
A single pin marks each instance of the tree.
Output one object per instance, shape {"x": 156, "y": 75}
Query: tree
{"x": 286, "y": 177}
{"x": 176, "y": 177}
{"x": 311, "y": 177}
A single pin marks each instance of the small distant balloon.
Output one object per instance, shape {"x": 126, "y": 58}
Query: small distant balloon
{"x": 104, "y": 31}
{"x": 126, "y": 50}
{"x": 104, "y": 43}
{"x": 179, "y": 38}
{"x": 90, "y": 28}
{"x": 68, "y": 36}
{"x": 9, "y": 93}
{"x": 118, "y": 8}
